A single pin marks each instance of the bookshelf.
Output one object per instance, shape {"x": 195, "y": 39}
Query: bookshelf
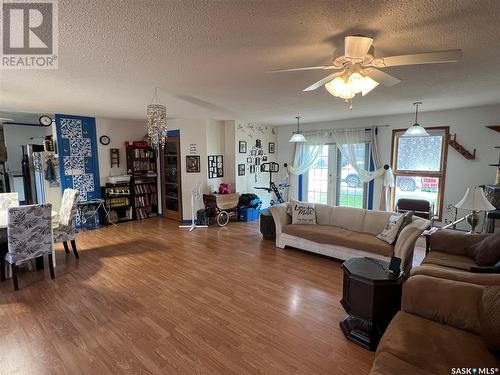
{"x": 141, "y": 165}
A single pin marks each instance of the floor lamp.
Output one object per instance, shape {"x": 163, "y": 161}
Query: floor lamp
{"x": 195, "y": 197}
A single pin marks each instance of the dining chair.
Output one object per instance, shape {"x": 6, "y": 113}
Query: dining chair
{"x": 66, "y": 231}
{"x": 29, "y": 231}
{"x": 9, "y": 200}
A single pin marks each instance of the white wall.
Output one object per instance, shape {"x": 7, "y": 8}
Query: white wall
{"x": 469, "y": 124}
{"x": 249, "y": 132}
{"x": 118, "y": 131}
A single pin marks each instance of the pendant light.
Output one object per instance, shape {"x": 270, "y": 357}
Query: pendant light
{"x": 416, "y": 130}
{"x": 156, "y": 123}
{"x": 297, "y": 136}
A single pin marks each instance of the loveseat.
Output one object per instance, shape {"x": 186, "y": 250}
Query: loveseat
{"x": 450, "y": 258}
{"x": 443, "y": 326}
{"x": 344, "y": 233}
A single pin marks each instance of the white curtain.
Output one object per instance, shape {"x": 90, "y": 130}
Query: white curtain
{"x": 345, "y": 140}
{"x": 305, "y": 155}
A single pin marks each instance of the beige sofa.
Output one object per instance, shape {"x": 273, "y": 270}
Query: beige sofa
{"x": 443, "y": 325}
{"x": 344, "y": 233}
{"x": 449, "y": 258}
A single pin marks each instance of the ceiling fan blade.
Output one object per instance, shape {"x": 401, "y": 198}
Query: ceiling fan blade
{"x": 325, "y": 80}
{"x": 323, "y": 67}
{"x": 381, "y": 77}
{"x": 357, "y": 46}
{"x": 420, "y": 58}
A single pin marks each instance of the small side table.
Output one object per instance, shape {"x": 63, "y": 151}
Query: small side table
{"x": 371, "y": 297}
{"x": 267, "y": 226}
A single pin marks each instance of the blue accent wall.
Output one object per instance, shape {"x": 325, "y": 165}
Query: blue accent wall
{"x": 371, "y": 186}
{"x": 78, "y": 158}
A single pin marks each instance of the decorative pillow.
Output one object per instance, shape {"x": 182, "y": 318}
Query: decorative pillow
{"x": 303, "y": 213}
{"x": 391, "y": 230}
{"x": 408, "y": 217}
{"x": 489, "y": 318}
{"x": 486, "y": 252}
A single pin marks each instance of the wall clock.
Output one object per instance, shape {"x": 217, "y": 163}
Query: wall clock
{"x": 105, "y": 140}
{"x": 45, "y": 120}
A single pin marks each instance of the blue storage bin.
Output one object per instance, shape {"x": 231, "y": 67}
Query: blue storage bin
{"x": 248, "y": 214}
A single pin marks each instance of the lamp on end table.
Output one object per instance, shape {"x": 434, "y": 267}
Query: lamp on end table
{"x": 475, "y": 201}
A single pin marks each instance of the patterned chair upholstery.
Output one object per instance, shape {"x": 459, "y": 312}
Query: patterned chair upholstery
{"x": 8, "y": 200}
{"x": 66, "y": 230}
{"x": 29, "y": 231}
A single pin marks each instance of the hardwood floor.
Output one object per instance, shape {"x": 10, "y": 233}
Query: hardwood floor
{"x": 149, "y": 298}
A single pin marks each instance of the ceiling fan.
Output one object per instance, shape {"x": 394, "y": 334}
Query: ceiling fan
{"x": 358, "y": 70}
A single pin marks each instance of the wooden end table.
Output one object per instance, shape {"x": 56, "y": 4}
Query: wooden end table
{"x": 371, "y": 297}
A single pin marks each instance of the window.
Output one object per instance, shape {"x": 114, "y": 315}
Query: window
{"x": 331, "y": 180}
{"x": 419, "y": 165}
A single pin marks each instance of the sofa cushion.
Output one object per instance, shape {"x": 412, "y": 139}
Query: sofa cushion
{"x": 375, "y": 221}
{"x": 489, "y": 317}
{"x": 449, "y": 260}
{"x": 432, "y": 347}
{"x": 486, "y": 252}
{"x": 348, "y": 218}
{"x": 443, "y": 272}
{"x": 323, "y": 214}
{"x": 333, "y": 235}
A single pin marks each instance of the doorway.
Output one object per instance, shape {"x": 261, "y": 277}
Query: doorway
{"x": 171, "y": 178}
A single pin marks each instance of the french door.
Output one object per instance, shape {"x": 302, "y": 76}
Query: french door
{"x": 332, "y": 180}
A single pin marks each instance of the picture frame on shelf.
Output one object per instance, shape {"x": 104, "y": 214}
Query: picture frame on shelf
{"x": 242, "y": 147}
{"x": 192, "y": 164}
{"x": 241, "y": 169}
{"x": 272, "y": 147}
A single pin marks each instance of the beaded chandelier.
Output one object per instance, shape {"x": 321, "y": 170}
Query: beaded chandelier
{"x": 156, "y": 123}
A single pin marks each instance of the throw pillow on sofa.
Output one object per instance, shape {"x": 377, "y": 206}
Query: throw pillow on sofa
{"x": 486, "y": 252}
{"x": 302, "y": 212}
{"x": 391, "y": 230}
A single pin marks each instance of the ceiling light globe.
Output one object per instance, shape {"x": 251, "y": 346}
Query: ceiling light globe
{"x": 355, "y": 82}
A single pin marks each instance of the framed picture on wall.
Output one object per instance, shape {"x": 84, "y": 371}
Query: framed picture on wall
{"x": 271, "y": 147}
{"x": 192, "y": 164}
{"x": 215, "y": 166}
{"x": 252, "y": 169}
{"x": 242, "y": 147}
{"x": 258, "y": 143}
{"x": 249, "y": 160}
{"x": 264, "y": 158}
{"x": 241, "y": 169}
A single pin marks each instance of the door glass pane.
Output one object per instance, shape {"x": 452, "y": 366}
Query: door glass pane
{"x": 351, "y": 190}
{"x": 317, "y": 179}
{"x": 419, "y": 153}
{"x": 425, "y": 188}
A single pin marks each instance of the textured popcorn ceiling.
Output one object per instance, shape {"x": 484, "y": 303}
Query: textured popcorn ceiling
{"x": 210, "y": 58}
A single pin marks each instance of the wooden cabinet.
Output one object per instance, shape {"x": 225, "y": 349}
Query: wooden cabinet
{"x": 171, "y": 179}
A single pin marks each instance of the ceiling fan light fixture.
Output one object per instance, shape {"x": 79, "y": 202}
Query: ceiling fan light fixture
{"x": 368, "y": 85}
{"x": 416, "y": 130}
{"x": 347, "y": 86}
{"x": 298, "y": 137}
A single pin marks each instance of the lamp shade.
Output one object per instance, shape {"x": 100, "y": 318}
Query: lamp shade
{"x": 475, "y": 200}
{"x": 416, "y": 131}
{"x": 298, "y": 138}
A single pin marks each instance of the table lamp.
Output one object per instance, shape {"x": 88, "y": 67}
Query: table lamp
{"x": 474, "y": 200}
